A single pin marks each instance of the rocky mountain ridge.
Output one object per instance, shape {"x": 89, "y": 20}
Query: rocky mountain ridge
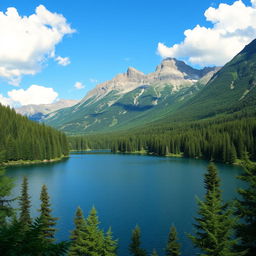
{"x": 132, "y": 97}
{"x": 170, "y": 71}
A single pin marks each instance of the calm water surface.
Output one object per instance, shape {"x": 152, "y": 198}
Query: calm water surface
{"x": 153, "y": 192}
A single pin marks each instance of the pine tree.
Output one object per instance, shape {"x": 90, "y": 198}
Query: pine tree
{"x": 87, "y": 238}
{"x": 215, "y": 224}
{"x": 47, "y": 221}
{"x": 173, "y": 247}
{"x": 110, "y": 245}
{"x": 92, "y": 237}
{"x": 134, "y": 247}
{"x": 16, "y": 241}
{"x": 76, "y": 247}
{"x": 246, "y": 210}
{"x": 212, "y": 182}
{"x": 6, "y": 185}
{"x": 24, "y": 202}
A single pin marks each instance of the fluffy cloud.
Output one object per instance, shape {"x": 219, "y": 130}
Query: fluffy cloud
{"x": 6, "y": 101}
{"x": 233, "y": 27}
{"x": 27, "y": 42}
{"x": 79, "y": 85}
{"x": 63, "y": 61}
{"x": 35, "y": 94}
{"x": 253, "y": 2}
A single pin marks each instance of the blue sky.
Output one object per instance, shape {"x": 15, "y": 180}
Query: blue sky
{"x": 109, "y": 36}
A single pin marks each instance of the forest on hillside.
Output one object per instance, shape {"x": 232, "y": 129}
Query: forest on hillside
{"x": 22, "y": 139}
{"x": 223, "y": 140}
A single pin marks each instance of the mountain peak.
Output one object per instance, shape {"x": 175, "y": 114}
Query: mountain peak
{"x": 179, "y": 68}
{"x": 166, "y": 64}
{"x": 134, "y": 73}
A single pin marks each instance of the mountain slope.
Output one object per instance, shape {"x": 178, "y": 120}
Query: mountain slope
{"x": 231, "y": 89}
{"x": 132, "y": 98}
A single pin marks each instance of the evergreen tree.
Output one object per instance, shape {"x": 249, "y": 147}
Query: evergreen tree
{"x": 110, "y": 245}
{"x": 214, "y": 227}
{"x": 77, "y": 234}
{"x": 93, "y": 237}
{"x": 6, "y": 185}
{"x": 47, "y": 221}
{"x": 134, "y": 247}
{"x": 173, "y": 247}
{"x": 16, "y": 241}
{"x": 87, "y": 239}
{"x": 24, "y": 202}
{"x": 220, "y": 140}
{"x": 246, "y": 210}
{"x": 23, "y": 139}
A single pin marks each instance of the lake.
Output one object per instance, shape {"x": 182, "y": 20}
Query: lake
{"x": 153, "y": 192}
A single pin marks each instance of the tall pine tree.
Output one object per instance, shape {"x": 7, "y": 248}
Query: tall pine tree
{"x": 246, "y": 210}
{"x": 47, "y": 221}
{"x": 215, "y": 223}
{"x": 77, "y": 234}
{"x": 110, "y": 245}
{"x": 88, "y": 239}
{"x": 24, "y": 202}
{"x": 6, "y": 185}
{"x": 172, "y": 247}
{"x": 93, "y": 236}
{"x": 134, "y": 247}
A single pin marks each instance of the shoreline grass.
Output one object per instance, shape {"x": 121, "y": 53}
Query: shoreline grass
{"x": 32, "y": 162}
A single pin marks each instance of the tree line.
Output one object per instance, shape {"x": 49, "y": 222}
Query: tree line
{"x": 22, "y": 139}
{"x": 216, "y": 140}
{"x": 220, "y": 228}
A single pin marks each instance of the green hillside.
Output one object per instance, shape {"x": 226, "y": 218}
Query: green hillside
{"x": 22, "y": 139}
{"x": 231, "y": 89}
{"x": 153, "y": 104}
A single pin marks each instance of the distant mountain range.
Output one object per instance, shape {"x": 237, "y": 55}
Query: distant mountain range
{"x": 132, "y": 98}
{"x": 174, "y": 92}
{"x": 38, "y": 112}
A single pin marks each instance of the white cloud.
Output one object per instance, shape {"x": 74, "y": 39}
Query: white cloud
{"x": 234, "y": 26}
{"x": 63, "y": 61}
{"x": 27, "y": 42}
{"x": 6, "y": 101}
{"x": 35, "y": 94}
{"x": 79, "y": 85}
{"x": 253, "y": 2}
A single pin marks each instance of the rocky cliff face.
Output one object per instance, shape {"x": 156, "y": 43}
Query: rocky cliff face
{"x": 170, "y": 71}
{"x": 132, "y": 98}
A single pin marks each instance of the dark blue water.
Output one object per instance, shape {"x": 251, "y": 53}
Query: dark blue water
{"x": 153, "y": 192}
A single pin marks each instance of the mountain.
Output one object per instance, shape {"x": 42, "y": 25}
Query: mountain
{"x": 38, "y": 112}
{"x": 175, "y": 92}
{"x": 132, "y": 98}
{"x": 230, "y": 90}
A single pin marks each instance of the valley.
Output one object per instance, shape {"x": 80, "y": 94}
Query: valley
{"x": 120, "y": 135}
